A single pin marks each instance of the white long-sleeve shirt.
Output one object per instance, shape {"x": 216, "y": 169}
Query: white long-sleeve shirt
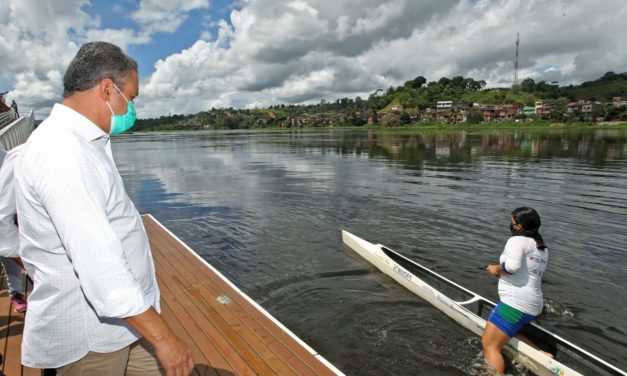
{"x": 9, "y": 238}
{"x": 82, "y": 242}
{"x": 520, "y": 286}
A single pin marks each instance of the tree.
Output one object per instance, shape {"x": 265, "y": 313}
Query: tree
{"x": 418, "y": 82}
{"x": 475, "y": 116}
{"x": 615, "y": 113}
{"x": 390, "y": 120}
{"x": 576, "y": 115}
{"x": 608, "y": 76}
{"x": 353, "y": 118}
{"x": 558, "y": 115}
{"x": 473, "y": 85}
{"x": 459, "y": 82}
{"x": 527, "y": 85}
{"x": 405, "y": 118}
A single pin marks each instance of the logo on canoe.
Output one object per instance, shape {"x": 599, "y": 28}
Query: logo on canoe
{"x": 557, "y": 371}
{"x": 402, "y": 272}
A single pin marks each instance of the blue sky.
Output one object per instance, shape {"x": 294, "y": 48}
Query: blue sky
{"x": 116, "y": 15}
{"x": 197, "y": 54}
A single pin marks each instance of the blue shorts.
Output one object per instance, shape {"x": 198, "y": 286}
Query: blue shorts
{"x": 508, "y": 319}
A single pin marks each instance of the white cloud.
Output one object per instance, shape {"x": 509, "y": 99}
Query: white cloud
{"x": 278, "y": 51}
{"x": 165, "y": 15}
{"x": 305, "y": 50}
{"x": 299, "y": 86}
{"x": 35, "y": 47}
{"x": 120, "y": 37}
{"x": 38, "y": 41}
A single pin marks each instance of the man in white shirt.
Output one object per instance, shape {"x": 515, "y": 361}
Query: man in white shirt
{"x": 82, "y": 241}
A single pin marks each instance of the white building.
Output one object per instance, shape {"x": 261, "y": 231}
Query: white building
{"x": 450, "y": 105}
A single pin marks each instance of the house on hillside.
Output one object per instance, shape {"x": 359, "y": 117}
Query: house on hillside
{"x": 506, "y": 111}
{"x": 543, "y": 111}
{"x": 487, "y": 110}
{"x": 483, "y": 106}
{"x": 397, "y": 107}
{"x": 430, "y": 115}
{"x": 573, "y": 107}
{"x": 619, "y": 101}
{"x": 592, "y": 110}
{"x": 589, "y": 110}
{"x": 528, "y": 111}
{"x": 450, "y": 106}
{"x": 296, "y": 121}
{"x": 457, "y": 117}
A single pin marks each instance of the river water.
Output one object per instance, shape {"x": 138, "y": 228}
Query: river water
{"x": 266, "y": 209}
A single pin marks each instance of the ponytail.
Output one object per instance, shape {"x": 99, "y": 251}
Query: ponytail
{"x": 530, "y": 221}
{"x": 535, "y": 235}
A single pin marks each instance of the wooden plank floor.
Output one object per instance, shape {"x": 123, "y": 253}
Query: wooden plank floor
{"x": 229, "y": 333}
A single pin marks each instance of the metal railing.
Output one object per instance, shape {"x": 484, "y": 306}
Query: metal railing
{"x": 17, "y": 131}
{"x": 7, "y": 118}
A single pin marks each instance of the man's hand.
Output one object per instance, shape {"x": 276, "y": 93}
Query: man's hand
{"x": 173, "y": 354}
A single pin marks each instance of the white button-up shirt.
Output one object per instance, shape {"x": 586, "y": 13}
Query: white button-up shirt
{"x": 82, "y": 242}
{"x": 9, "y": 238}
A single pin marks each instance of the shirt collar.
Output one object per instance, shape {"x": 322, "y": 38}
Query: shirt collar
{"x": 78, "y": 123}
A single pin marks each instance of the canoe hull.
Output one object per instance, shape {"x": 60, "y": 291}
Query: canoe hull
{"x": 389, "y": 262}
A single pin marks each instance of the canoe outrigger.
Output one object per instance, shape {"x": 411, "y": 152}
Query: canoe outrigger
{"x": 471, "y": 311}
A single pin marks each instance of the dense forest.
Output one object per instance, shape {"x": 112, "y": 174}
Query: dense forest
{"x": 414, "y": 95}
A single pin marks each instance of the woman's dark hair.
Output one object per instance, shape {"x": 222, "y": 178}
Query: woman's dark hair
{"x": 530, "y": 221}
{"x": 94, "y": 62}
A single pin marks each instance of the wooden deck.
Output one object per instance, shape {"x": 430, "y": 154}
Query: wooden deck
{"x": 230, "y": 334}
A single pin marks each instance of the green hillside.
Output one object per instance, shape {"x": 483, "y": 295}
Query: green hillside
{"x": 414, "y": 95}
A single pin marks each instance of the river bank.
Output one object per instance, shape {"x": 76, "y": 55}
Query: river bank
{"x": 420, "y": 127}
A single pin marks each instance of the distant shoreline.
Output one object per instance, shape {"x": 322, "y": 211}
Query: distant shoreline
{"x": 417, "y": 127}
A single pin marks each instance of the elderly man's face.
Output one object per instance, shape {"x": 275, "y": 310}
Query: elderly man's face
{"x": 130, "y": 91}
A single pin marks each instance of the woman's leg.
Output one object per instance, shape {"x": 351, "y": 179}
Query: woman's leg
{"x": 493, "y": 341}
{"x": 15, "y": 279}
{"x": 526, "y": 340}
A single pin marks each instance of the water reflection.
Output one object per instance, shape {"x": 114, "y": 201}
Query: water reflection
{"x": 599, "y": 146}
{"x": 266, "y": 209}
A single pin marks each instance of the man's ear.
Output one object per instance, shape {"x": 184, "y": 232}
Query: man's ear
{"x": 105, "y": 88}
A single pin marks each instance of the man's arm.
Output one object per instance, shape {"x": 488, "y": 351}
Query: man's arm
{"x": 175, "y": 356}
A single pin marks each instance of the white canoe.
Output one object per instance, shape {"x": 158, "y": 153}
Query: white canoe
{"x": 471, "y": 311}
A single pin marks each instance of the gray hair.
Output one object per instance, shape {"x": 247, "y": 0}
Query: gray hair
{"x": 94, "y": 62}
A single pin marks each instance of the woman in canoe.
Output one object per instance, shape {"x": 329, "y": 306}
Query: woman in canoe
{"x": 520, "y": 271}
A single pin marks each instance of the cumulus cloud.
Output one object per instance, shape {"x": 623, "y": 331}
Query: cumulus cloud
{"x": 120, "y": 37}
{"x": 298, "y": 51}
{"x": 294, "y": 51}
{"x": 165, "y": 15}
{"x": 35, "y": 46}
{"x": 39, "y": 40}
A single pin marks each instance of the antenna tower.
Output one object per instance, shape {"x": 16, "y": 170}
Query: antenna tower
{"x": 516, "y": 60}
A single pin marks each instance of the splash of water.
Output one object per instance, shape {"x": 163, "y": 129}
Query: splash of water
{"x": 555, "y": 309}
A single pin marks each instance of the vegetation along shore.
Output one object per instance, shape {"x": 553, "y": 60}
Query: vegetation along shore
{"x": 449, "y": 102}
